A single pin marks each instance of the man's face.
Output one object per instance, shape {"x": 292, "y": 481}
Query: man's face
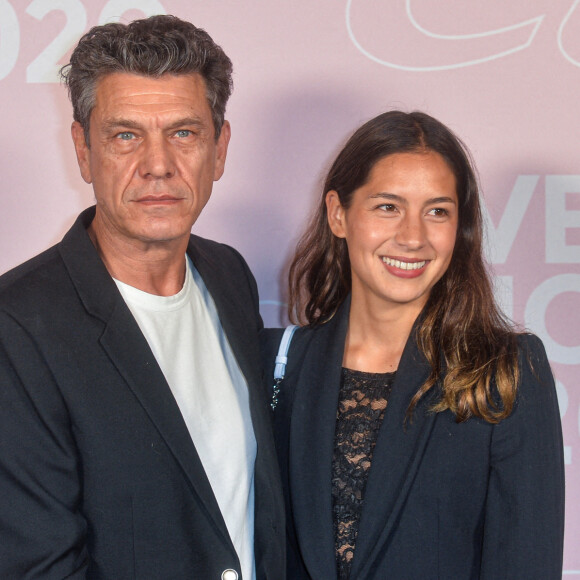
{"x": 153, "y": 156}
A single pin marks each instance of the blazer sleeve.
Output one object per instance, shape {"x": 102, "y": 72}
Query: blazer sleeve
{"x": 524, "y": 512}
{"x": 42, "y": 534}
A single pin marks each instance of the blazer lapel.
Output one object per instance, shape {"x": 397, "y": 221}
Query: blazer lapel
{"x": 396, "y": 458}
{"x": 240, "y": 324}
{"x": 312, "y": 431}
{"x": 233, "y": 321}
{"x": 129, "y": 351}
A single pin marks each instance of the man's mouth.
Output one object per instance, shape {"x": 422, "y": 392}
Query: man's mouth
{"x": 163, "y": 199}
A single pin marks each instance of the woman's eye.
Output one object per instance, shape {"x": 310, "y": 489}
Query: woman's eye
{"x": 387, "y": 207}
{"x": 439, "y": 212}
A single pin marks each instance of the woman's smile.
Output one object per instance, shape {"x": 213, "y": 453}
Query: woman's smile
{"x": 405, "y": 267}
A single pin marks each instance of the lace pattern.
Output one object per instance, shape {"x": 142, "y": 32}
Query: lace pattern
{"x": 361, "y": 408}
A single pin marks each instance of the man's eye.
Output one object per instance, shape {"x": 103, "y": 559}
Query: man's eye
{"x": 387, "y": 207}
{"x": 125, "y": 136}
{"x": 182, "y": 133}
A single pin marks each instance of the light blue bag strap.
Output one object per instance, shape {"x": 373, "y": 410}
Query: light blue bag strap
{"x": 281, "y": 362}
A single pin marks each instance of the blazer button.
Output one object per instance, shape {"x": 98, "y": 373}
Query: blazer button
{"x": 229, "y": 574}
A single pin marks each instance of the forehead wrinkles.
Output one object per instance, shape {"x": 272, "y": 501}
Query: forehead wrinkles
{"x": 151, "y": 110}
{"x": 143, "y": 93}
{"x": 157, "y": 103}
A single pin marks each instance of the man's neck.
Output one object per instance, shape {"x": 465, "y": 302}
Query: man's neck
{"x": 156, "y": 268}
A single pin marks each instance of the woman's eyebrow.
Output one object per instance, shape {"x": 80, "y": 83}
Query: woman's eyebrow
{"x": 389, "y": 196}
{"x": 400, "y": 199}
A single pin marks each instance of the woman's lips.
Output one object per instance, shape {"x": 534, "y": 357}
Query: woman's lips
{"x": 405, "y": 267}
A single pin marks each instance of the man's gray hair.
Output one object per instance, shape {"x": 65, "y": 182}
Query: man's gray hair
{"x": 150, "y": 47}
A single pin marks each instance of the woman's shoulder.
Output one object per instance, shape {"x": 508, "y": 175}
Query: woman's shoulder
{"x": 533, "y": 358}
{"x": 529, "y": 342}
{"x": 530, "y": 438}
{"x": 270, "y": 338}
{"x": 536, "y": 386}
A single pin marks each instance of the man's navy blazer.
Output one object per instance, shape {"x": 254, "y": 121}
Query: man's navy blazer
{"x": 444, "y": 500}
{"x": 99, "y": 477}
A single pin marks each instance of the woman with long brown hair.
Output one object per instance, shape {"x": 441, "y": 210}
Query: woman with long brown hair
{"x": 418, "y": 433}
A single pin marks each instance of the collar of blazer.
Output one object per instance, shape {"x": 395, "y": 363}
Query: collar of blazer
{"x": 396, "y": 457}
{"x": 128, "y": 350}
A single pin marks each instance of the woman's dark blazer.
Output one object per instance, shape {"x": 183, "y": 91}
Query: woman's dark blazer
{"x": 444, "y": 499}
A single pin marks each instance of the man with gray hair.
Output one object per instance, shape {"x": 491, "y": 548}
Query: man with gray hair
{"x": 135, "y": 439}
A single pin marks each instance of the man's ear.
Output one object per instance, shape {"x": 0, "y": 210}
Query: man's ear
{"x": 335, "y": 214}
{"x": 222, "y": 150}
{"x": 82, "y": 151}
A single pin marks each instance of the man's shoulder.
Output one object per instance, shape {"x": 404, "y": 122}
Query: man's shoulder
{"x": 47, "y": 271}
{"x": 227, "y": 278}
{"x": 32, "y": 278}
{"x": 211, "y": 249}
{"x": 218, "y": 259}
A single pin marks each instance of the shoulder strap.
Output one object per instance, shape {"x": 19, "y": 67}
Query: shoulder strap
{"x": 281, "y": 362}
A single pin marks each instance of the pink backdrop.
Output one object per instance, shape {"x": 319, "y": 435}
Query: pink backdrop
{"x": 505, "y": 75}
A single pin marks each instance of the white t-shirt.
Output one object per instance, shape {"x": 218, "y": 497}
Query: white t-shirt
{"x": 190, "y": 346}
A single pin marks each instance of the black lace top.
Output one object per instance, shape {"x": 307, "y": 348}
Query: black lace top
{"x": 361, "y": 408}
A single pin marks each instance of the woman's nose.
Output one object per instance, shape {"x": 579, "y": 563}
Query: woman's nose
{"x": 411, "y": 231}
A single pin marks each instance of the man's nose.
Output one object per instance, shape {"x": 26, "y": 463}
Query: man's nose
{"x": 157, "y": 161}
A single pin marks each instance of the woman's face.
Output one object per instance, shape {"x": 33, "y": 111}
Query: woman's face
{"x": 400, "y": 229}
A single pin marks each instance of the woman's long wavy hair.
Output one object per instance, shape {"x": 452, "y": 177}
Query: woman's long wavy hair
{"x": 470, "y": 345}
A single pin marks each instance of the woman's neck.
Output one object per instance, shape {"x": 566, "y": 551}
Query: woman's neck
{"x": 377, "y": 334}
